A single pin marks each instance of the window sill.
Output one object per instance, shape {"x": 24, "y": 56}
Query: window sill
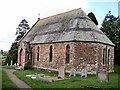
{"x": 51, "y": 62}
{"x": 67, "y": 64}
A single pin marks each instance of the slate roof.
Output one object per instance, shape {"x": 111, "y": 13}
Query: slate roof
{"x": 73, "y": 25}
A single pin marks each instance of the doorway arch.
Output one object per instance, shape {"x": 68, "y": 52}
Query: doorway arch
{"x": 21, "y": 57}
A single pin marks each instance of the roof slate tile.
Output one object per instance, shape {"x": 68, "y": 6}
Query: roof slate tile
{"x": 68, "y": 26}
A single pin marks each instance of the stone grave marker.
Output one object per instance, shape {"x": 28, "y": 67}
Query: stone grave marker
{"x": 102, "y": 76}
{"x": 14, "y": 64}
{"x": 11, "y": 63}
{"x": 72, "y": 72}
{"x": 61, "y": 72}
{"x": 84, "y": 72}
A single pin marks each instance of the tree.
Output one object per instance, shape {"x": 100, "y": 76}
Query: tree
{"x": 22, "y": 28}
{"x": 13, "y": 52}
{"x": 111, "y": 27}
{"x": 1, "y": 51}
{"x": 93, "y": 18}
{"x": 8, "y": 59}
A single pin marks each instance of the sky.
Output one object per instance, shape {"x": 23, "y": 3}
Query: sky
{"x": 13, "y": 11}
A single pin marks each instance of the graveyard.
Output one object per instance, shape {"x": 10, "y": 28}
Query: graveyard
{"x": 68, "y": 82}
{"x": 70, "y": 44}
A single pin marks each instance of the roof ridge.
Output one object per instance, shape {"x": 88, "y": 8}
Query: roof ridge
{"x": 61, "y": 13}
{"x": 64, "y": 26}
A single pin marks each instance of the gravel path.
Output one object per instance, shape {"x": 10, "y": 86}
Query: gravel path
{"x": 20, "y": 84}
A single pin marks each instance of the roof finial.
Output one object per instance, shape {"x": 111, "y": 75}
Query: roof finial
{"x": 39, "y": 16}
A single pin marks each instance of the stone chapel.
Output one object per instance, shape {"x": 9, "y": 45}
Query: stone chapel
{"x": 69, "y": 39}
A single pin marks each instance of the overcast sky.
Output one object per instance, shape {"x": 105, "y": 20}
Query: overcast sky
{"x": 13, "y": 11}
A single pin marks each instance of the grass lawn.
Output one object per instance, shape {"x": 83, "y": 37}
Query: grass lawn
{"x": 8, "y": 67}
{"x": 73, "y": 82}
{"x": 0, "y": 77}
{"x": 7, "y": 83}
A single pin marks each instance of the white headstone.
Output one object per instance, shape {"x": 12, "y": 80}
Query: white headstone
{"x": 73, "y": 72}
{"x": 7, "y": 64}
{"x": 11, "y": 62}
{"x": 14, "y": 64}
{"x": 61, "y": 72}
{"x": 84, "y": 72}
{"x": 102, "y": 76}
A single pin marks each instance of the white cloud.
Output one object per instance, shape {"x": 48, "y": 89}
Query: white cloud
{"x": 13, "y": 11}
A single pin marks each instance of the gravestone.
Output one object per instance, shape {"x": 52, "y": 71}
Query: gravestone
{"x": 84, "y": 72}
{"x": 102, "y": 76}
{"x": 15, "y": 64}
{"x": 7, "y": 64}
{"x": 11, "y": 62}
{"x": 61, "y": 72}
{"x": 73, "y": 72}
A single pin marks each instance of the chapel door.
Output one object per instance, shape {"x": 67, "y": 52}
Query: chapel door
{"x": 21, "y": 57}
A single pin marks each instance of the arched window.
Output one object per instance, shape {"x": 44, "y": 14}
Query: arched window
{"x": 106, "y": 55}
{"x": 38, "y": 51}
{"x": 28, "y": 57}
{"x": 32, "y": 55}
{"x": 67, "y": 54}
{"x": 50, "y": 60}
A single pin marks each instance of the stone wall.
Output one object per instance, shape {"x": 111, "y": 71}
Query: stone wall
{"x": 58, "y": 55}
{"x": 89, "y": 55}
{"x": 86, "y": 55}
{"x": 109, "y": 67}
